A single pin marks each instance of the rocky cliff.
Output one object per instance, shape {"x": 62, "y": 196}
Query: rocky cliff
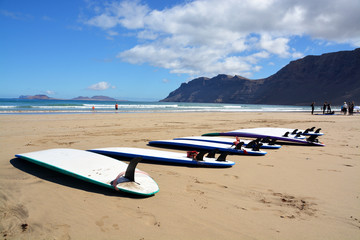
{"x": 333, "y": 77}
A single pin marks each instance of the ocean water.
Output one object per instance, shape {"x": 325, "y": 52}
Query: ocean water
{"x": 24, "y": 106}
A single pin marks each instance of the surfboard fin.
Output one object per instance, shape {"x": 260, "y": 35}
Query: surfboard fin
{"x": 222, "y": 156}
{"x": 130, "y": 171}
{"x": 286, "y": 134}
{"x": 295, "y": 131}
{"x": 268, "y": 141}
{"x": 313, "y": 138}
{"x": 239, "y": 145}
{"x": 212, "y": 153}
{"x": 254, "y": 145}
{"x": 200, "y": 156}
{"x": 298, "y": 134}
{"x": 318, "y": 130}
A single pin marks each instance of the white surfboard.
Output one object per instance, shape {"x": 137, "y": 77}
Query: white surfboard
{"x": 165, "y": 156}
{"x": 280, "y": 132}
{"x": 95, "y": 168}
{"x": 226, "y": 140}
{"x": 271, "y": 134}
{"x": 298, "y": 132}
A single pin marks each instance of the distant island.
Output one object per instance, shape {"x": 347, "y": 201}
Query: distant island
{"x": 39, "y": 97}
{"x": 95, "y": 98}
{"x": 45, "y": 97}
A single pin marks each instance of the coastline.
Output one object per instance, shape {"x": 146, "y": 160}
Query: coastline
{"x": 316, "y": 112}
{"x": 296, "y": 192}
{"x": 9, "y": 106}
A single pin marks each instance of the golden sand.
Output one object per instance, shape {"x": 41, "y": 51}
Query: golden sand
{"x": 296, "y": 192}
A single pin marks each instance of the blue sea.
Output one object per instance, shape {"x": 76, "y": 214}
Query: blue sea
{"x": 24, "y": 106}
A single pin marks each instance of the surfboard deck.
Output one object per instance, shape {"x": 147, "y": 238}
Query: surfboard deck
{"x": 94, "y": 168}
{"x": 209, "y": 146}
{"x": 293, "y": 132}
{"x": 272, "y": 133}
{"x": 226, "y": 140}
{"x": 161, "y": 156}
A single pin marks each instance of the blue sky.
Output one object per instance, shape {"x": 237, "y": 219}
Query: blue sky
{"x": 143, "y": 50}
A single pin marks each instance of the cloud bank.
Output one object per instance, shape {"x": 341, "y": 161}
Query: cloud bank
{"x": 207, "y": 37}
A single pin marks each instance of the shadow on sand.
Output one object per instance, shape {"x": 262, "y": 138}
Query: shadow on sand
{"x": 65, "y": 180}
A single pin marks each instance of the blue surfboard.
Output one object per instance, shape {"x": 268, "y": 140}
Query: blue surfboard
{"x": 166, "y": 156}
{"x": 229, "y": 141}
{"x": 208, "y": 146}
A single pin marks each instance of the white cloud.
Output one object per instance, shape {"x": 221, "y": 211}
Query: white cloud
{"x": 15, "y": 15}
{"x": 129, "y": 14}
{"x": 103, "y": 21}
{"x": 278, "y": 46}
{"x": 112, "y": 33}
{"x": 100, "y": 86}
{"x": 205, "y": 37}
{"x": 50, "y": 92}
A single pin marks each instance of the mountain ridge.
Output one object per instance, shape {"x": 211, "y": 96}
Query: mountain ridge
{"x": 333, "y": 77}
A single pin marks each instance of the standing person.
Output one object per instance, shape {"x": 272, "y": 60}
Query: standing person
{"x": 93, "y": 108}
{"x": 116, "y": 106}
{"x": 324, "y": 107}
{"x": 312, "y": 107}
{"x": 328, "y": 108}
{"x": 344, "y": 108}
{"x": 351, "y": 108}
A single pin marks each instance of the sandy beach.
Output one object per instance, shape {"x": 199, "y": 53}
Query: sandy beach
{"x": 296, "y": 192}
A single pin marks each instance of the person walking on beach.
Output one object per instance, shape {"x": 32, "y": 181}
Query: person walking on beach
{"x": 351, "y": 108}
{"x": 344, "y": 108}
{"x": 328, "y": 108}
{"x": 312, "y": 107}
{"x": 116, "y": 106}
{"x": 324, "y": 107}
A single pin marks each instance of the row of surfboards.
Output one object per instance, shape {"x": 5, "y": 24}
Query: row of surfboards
{"x": 102, "y": 167}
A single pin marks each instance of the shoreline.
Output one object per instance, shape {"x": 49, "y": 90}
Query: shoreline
{"x": 296, "y": 192}
{"x": 336, "y": 112}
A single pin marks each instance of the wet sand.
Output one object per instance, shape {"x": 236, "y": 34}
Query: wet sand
{"x": 296, "y": 192}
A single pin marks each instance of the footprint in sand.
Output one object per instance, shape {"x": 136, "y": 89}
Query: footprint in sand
{"x": 289, "y": 206}
{"x": 209, "y": 183}
{"x": 100, "y": 223}
{"x": 145, "y": 217}
{"x": 13, "y": 217}
{"x": 265, "y": 165}
{"x": 232, "y": 176}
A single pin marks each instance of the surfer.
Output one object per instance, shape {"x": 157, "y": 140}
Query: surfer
{"x": 116, "y": 106}
{"x": 324, "y": 107}
{"x": 312, "y": 107}
{"x": 93, "y": 108}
